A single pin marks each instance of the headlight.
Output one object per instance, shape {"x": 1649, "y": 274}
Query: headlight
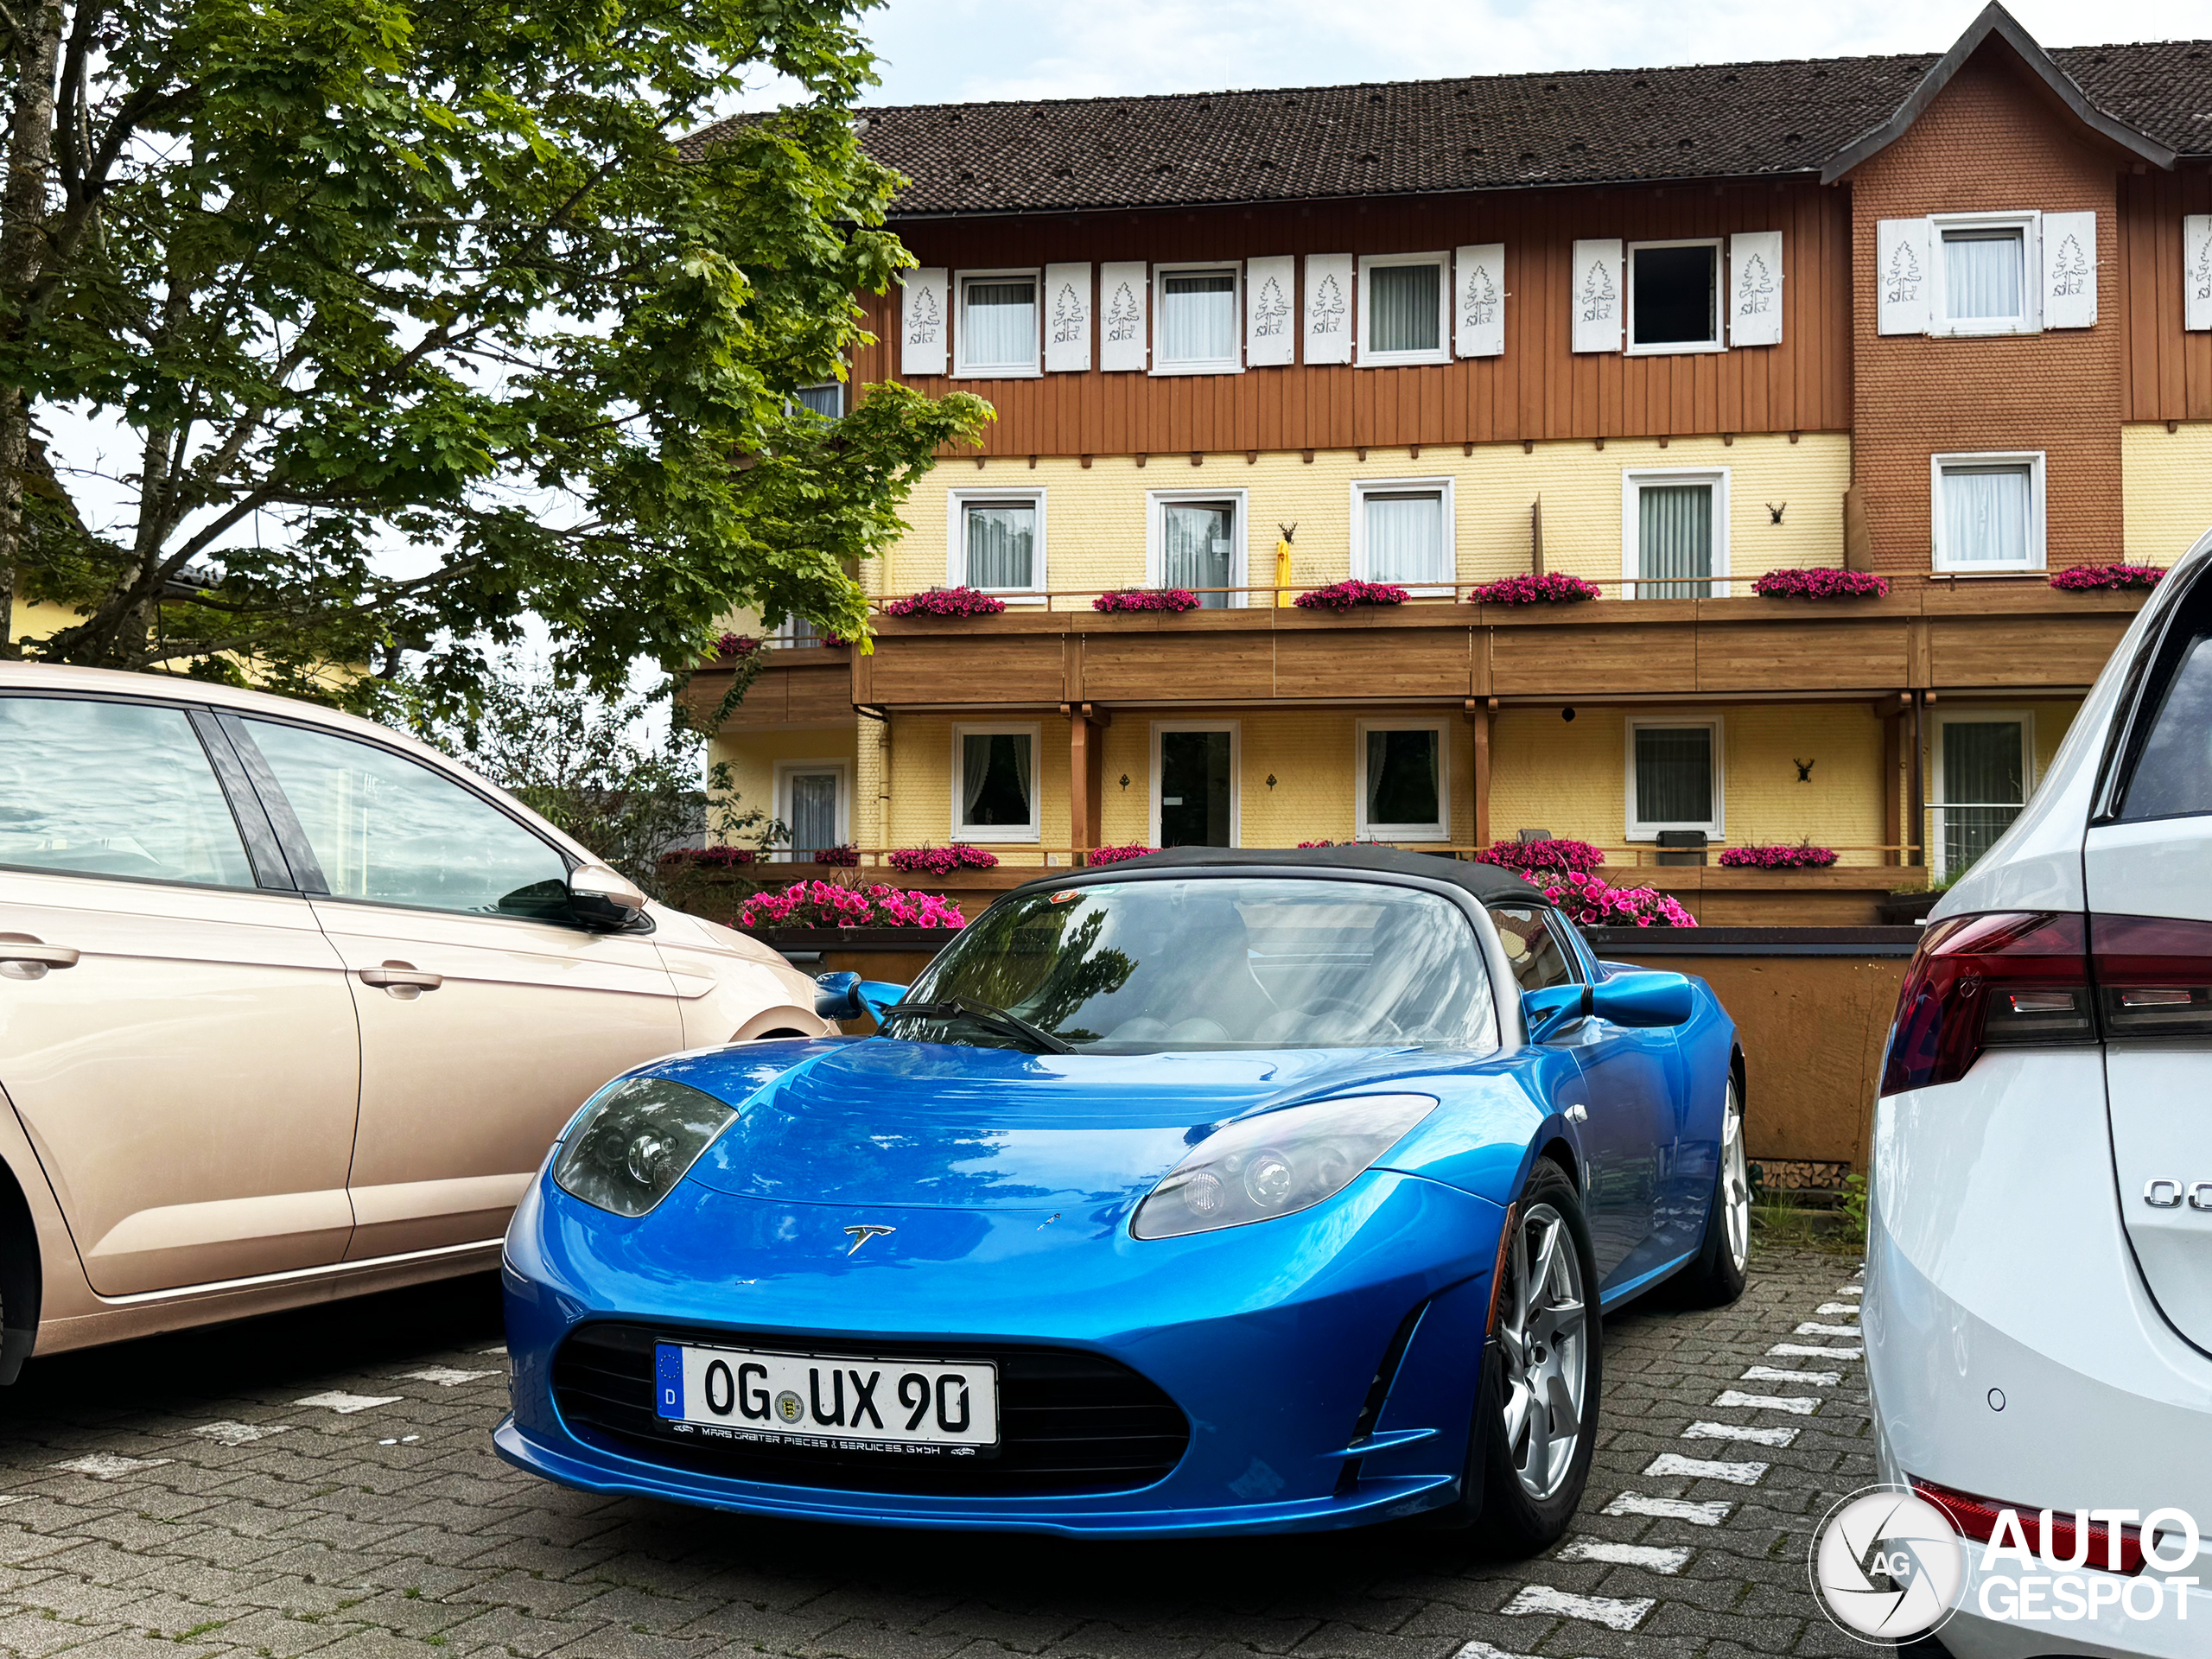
{"x": 634, "y": 1141}
{"x": 1277, "y": 1163}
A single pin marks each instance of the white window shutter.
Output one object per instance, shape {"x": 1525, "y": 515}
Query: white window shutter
{"x": 1328, "y": 311}
{"x": 2196, "y": 271}
{"x": 1478, "y": 299}
{"x": 1904, "y": 275}
{"x": 1755, "y": 289}
{"x": 1067, "y": 318}
{"x": 1270, "y": 311}
{"x": 925, "y": 301}
{"x": 1599, "y": 283}
{"x": 2069, "y": 271}
{"x": 1122, "y": 284}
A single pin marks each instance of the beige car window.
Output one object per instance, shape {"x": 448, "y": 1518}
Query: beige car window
{"x": 113, "y": 788}
{"x": 1539, "y": 958}
{"x": 387, "y": 829}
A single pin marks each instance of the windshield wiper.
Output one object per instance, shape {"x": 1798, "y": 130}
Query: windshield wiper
{"x": 979, "y": 1013}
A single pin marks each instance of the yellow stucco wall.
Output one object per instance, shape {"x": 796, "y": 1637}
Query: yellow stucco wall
{"x": 2165, "y": 489}
{"x": 1096, "y": 517}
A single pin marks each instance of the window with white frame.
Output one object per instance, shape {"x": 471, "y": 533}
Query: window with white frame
{"x": 812, "y": 799}
{"x": 997, "y": 331}
{"x": 1988, "y": 512}
{"x": 1404, "y": 789}
{"x": 1673, "y": 776}
{"x": 1982, "y": 762}
{"x": 994, "y": 783}
{"x": 827, "y": 400}
{"x": 1404, "y": 310}
{"x": 996, "y": 540}
{"x": 1674, "y": 531}
{"x": 1197, "y": 321}
{"x": 1674, "y": 297}
{"x": 1989, "y": 280}
{"x": 1401, "y": 532}
{"x": 1196, "y": 540}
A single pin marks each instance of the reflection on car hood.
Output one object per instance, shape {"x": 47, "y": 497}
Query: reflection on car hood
{"x": 892, "y": 1121}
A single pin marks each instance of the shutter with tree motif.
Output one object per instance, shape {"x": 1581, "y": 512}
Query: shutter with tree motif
{"x": 1755, "y": 289}
{"x": 1478, "y": 299}
{"x": 1328, "y": 308}
{"x": 1904, "y": 275}
{"x": 924, "y": 301}
{"x": 1270, "y": 311}
{"x": 1598, "y": 277}
{"x": 1121, "y": 287}
{"x": 2196, "y": 271}
{"x": 1067, "y": 318}
{"x": 2069, "y": 271}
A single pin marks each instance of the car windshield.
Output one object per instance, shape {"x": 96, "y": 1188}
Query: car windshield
{"x": 1219, "y": 962}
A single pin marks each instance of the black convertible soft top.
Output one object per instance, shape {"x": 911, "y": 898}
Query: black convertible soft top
{"x": 1485, "y": 881}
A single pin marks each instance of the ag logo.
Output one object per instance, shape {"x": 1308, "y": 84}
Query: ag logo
{"x": 1888, "y": 1565}
{"x": 790, "y": 1407}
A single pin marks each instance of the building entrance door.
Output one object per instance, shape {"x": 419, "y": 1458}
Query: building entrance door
{"x": 1196, "y": 769}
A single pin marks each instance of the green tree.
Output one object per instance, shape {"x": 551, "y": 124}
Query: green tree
{"x": 428, "y": 274}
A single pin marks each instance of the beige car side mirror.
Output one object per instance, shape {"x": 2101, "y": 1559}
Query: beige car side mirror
{"x": 604, "y": 898}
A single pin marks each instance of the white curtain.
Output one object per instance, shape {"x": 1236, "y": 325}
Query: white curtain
{"x": 1198, "y": 317}
{"x": 999, "y": 324}
{"x": 975, "y": 771}
{"x": 1675, "y": 540}
{"x": 1405, "y": 536}
{"x": 1002, "y": 543}
{"x": 1019, "y": 744}
{"x": 814, "y": 811}
{"x": 1403, "y": 302}
{"x": 1983, "y": 274}
{"x": 1986, "y": 515}
{"x": 1195, "y": 551}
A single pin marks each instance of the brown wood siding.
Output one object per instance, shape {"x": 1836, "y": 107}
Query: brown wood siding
{"x": 2165, "y": 372}
{"x": 1538, "y": 389}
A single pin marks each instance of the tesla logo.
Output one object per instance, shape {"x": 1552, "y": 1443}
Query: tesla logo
{"x": 861, "y": 1234}
{"x": 2167, "y": 1194}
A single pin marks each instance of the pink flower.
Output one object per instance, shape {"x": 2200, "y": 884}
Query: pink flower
{"x": 1341, "y": 596}
{"x": 946, "y": 602}
{"x": 824, "y": 904}
{"x": 1553, "y": 587}
{"x": 1532, "y": 857}
{"x": 2084, "y": 578}
{"x": 1820, "y": 583}
{"x": 1147, "y": 599}
{"x": 942, "y": 861}
{"x": 1802, "y": 856}
{"x": 1117, "y": 855}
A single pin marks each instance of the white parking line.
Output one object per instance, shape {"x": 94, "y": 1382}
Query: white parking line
{"x": 1810, "y": 1379}
{"x": 1651, "y": 1557}
{"x": 1800, "y": 1351}
{"x": 1811, "y": 1329}
{"x": 105, "y": 1465}
{"x": 1709, "y": 1513}
{"x": 1736, "y": 1474}
{"x": 1802, "y": 1405}
{"x": 1838, "y": 1307}
{"x": 1851, "y": 1290}
{"x": 347, "y": 1404}
{"x": 1731, "y": 1432}
{"x": 446, "y": 1378}
{"x": 1614, "y": 1612}
{"x": 230, "y": 1433}
{"x": 1483, "y": 1650}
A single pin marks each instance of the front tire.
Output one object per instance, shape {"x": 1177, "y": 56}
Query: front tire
{"x": 1717, "y": 1277}
{"x": 1537, "y": 1408}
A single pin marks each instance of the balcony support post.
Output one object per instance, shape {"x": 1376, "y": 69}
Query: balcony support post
{"x": 1481, "y": 713}
{"x": 1086, "y": 775}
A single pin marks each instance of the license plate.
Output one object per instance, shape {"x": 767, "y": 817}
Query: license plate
{"x": 929, "y": 1408}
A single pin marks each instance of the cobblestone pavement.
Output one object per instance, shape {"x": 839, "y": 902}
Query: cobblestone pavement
{"x": 324, "y": 1483}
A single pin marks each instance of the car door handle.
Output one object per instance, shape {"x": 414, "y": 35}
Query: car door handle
{"x": 402, "y": 979}
{"x": 1577, "y": 1112}
{"x": 27, "y": 958}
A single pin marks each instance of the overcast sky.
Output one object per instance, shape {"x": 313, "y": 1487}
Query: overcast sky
{"x": 939, "y": 51}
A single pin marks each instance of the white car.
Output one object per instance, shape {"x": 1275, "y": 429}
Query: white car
{"x": 2038, "y": 1298}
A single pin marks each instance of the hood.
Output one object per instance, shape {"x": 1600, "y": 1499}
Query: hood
{"x": 888, "y": 1121}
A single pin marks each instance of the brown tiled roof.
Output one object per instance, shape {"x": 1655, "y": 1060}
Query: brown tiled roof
{"x": 1733, "y": 120}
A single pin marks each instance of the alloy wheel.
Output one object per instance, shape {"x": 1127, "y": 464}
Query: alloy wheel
{"x": 1544, "y": 1331}
{"x": 1735, "y": 1182}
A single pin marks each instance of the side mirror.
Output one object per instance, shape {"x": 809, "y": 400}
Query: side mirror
{"x": 848, "y": 996}
{"x": 604, "y": 898}
{"x": 1642, "y": 999}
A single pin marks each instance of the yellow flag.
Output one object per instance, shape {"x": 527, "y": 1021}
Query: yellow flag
{"x": 1282, "y": 573}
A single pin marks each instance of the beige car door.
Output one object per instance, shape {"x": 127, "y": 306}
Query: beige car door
{"x": 175, "y": 1033}
{"x": 488, "y": 1016}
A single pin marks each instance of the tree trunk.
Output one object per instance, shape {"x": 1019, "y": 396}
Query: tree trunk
{"x": 22, "y": 247}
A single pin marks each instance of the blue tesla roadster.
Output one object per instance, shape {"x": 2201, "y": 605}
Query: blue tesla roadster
{"x": 1223, "y": 1191}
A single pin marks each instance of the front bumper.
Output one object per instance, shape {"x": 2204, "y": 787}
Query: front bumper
{"x": 1268, "y": 1337}
{"x": 2013, "y": 1351}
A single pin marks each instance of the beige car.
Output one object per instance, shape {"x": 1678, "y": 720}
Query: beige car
{"x": 291, "y": 1006}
